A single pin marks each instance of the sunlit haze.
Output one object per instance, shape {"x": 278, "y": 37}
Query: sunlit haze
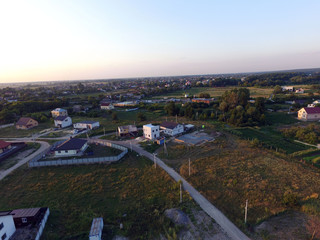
{"x": 69, "y": 40}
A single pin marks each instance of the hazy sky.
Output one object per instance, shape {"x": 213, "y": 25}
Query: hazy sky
{"x": 89, "y": 39}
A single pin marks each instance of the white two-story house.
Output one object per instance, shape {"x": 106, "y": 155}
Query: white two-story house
{"x": 151, "y": 132}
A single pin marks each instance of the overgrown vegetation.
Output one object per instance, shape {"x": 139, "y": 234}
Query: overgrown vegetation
{"x": 309, "y": 134}
{"x": 236, "y": 172}
{"x": 131, "y": 192}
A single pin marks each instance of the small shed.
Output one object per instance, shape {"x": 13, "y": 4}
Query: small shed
{"x": 26, "y": 216}
{"x": 96, "y": 229}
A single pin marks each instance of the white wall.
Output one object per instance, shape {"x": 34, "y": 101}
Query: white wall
{"x": 86, "y": 125}
{"x": 151, "y": 132}
{"x": 63, "y": 153}
{"x": 172, "y": 132}
{"x": 65, "y": 123}
{"x": 8, "y": 226}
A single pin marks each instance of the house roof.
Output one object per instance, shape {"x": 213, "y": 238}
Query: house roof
{"x": 312, "y": 110}
{"x": 5, "y": 213}
{"x": 88, "y": 122}
{"x": 149, "y": 125}
{"x": 131, "y": 128}
{"x": 24, "y": 121}
{"x": 170, "y": 125}
{"x": 71, "y": 144}
{"x": 26, "y": 212}
{"x": 105, "y": 104}
{"x": 60, "y": 118}
{"x": 59, "y": 110}
{"x": 4, "y": 144}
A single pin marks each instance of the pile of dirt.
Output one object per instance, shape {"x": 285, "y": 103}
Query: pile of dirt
{"x": 177, "y": 216}
{"x": 290, "y": 225}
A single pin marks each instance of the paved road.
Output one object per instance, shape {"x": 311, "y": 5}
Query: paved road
{"x": 232, "y": 231}
{"x": 44, "y": 145}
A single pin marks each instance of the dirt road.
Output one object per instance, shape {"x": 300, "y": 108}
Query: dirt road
{"x": 232, "y": 231}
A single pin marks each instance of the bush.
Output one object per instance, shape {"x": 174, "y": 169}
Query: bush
{"x": 290, "y": 199}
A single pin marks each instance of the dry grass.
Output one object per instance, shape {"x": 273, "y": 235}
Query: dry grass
{"x": 230, "y": 177}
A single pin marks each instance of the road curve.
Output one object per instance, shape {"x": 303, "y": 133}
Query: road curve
{"x": 44, "y": 145}
{"x": 232, "y": 230}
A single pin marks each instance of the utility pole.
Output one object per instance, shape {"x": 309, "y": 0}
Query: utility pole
{"x": 189, "y": 167}
{"x": 246, "y": 212}
{"x": 104, "y": 131}
{"x": 154, "y": 160}
{"x": 180, "y": 191}
{"x": 131, "y": 146}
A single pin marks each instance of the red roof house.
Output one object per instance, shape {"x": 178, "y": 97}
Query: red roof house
{"x": 309, "y": 113}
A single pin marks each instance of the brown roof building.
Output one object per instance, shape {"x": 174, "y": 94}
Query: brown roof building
{"x": 26, "y": 123}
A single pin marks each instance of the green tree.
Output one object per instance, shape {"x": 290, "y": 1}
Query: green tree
{"x": 277, "y": 89}
{"x": 141, "y": 117}
{"x": 114, "y": 116}
{"x": 204, "y": 95}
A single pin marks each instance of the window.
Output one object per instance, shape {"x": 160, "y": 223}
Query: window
{"x": 4, "y": 236}
{"x": 24, "y": 220}
{"x": 1, "y": 226}
{"x": 59, "y": 151}
{"x": 66, "y": 151}
{"x": 152, "y": 130}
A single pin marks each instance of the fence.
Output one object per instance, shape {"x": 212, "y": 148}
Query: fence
{"x": 42, "y": 224}
{"x": 7, "y": 125}
{"x": 35, "y": 162}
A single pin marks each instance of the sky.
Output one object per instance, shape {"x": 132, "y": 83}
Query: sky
{"x": 46, "y": 40}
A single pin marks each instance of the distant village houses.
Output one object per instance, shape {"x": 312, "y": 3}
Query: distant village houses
{"x": 128, "y": 130}
{"x": 62, "y": 121}
{"x": 59, "y": 112}
{"x": 309, "y": 114}
{"x": 26, "y": 123}
{"x": 106, "y": 106}
{"x": 86, "y": 125}
{"x": 287, "y": 88}
{"x": 203, "y": 100}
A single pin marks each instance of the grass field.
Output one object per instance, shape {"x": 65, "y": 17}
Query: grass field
{"x": 279, "y": 118}
{"x": 236, "y": 172}
{"x": 131, "y": 192}
{"x": 13, "y": 132}
{"x": 217, "y": 92}
{"x": 271, "y": 138}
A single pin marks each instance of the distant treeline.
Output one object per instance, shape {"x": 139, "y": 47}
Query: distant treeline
{"x": 273, "y": 79}
{"x": 11, "y": 111}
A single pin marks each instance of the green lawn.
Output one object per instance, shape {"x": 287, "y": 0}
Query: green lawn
{"x": 130, "y": 191}
{"x": 11, "y": 132}
{"x": 279, "y": 118}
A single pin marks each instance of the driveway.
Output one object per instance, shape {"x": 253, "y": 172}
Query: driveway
{"x": 44, "y": 146}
